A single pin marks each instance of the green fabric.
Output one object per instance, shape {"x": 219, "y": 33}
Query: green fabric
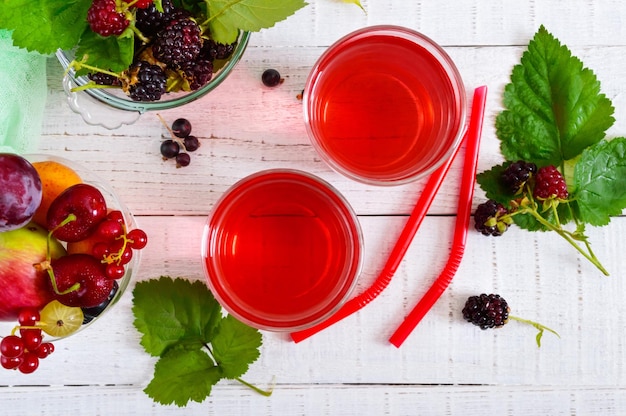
{"x": 23, "y": 92}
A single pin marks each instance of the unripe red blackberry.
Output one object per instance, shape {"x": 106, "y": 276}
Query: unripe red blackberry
{"x": 517, "y": 174}
{"x": 549, "y": 183}
{"x": 486, "y": 311}
{"x": 104, "y": 18}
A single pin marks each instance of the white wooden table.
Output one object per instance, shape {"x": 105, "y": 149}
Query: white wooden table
{"x": 447, "y": 366}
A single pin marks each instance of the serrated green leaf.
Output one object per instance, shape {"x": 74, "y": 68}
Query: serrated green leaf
{"x": 172, "y": 311}
{"x": 235, "y": 346}
{"x": 46, "y": 25}
{"x": 600, "y": 181}
{"x": 181, "y": 375}
{"x": 554, "y": 108}
{"x": 227, "y": 17}
{"x": 490, "y": 181}
{"x": 113, "y": 53}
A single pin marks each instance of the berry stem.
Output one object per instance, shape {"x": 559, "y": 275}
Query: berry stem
{"x": 78, "y": 65}
{"x": 178, "y": 140}
{"x": 537, "y": 326}
{"x": 266, "y": 393}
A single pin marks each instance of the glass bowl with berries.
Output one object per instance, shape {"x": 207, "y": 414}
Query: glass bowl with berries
{"x": 137, "y": 56}
{"x": 68, "y": 250}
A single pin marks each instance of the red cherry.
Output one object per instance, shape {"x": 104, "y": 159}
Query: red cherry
{"x": 29, "y": 364}
{"x": 138, "y": 239}
{"x": 86, "y": 271}
{"x": 110, "y": 229}
{"x": 86, "y": 203}
{"x": 116, "y": 215}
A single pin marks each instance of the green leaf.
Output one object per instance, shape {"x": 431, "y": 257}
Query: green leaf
{"x": 113, "y": 53}
{"x": 490, "y": 181}
{"x": 554, "y": 106}
{"x": 46, "y": 25}
{"x": 181, "y": 375}
{"x": 600, "y": 180}
{"x": 235, "y": 346}
{"x": 227, "y": 17}
{"x": 171, "y": 311}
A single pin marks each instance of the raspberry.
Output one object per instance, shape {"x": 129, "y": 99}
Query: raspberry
{"x": 517, "y": 174}
{"x": 149, "y": 20}
{"x": 489, "y": 220}
{"x": 486, "y": 311}
{"x": 178, "y": 43}
{"x": 197, "y": 73}
{"x": 104, "y": 19}
{"x": 549, "y": 183}
{"x": 147, "y": 82}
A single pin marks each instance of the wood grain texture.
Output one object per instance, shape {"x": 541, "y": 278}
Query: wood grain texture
{"x": 446, "y": 367}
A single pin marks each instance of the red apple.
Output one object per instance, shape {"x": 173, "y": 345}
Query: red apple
{"x": 22, "y": 285}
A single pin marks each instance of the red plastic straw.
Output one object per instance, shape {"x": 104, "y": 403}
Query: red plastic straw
{"x": 396, "y": 256}
{"x": 466, "y": 194}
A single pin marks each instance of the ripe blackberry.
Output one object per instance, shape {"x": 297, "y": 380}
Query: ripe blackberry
{"x": 486, "y": 311}
{"x": 549, "y": 183}
{"x": 179, "y": 42}
{"x": 517, "y": 174}
{"x": 197, "y": 72}
{"x": 101, "y": 78}
{"x": 147, "y": 82}
{"x": 489, "y": 218}
{"x": 149, "y": 20}
{"x": 104, "y": 18}
{"x": 212, "y": 50}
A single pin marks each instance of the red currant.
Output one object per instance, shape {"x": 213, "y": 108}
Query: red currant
{"x": 115, "y": 271}
{"x": 100, "y": 250}
{"x": 32, "y": 338}
{"x": 12, "y": 346}
{"x": 28, "y": 316}
{"x": 116, "y": 215}
{"x": 29, "y": 364}
{"x": 10, "y": 363}
{"x": 44, "y": 350}
{"x": 110, "y": 229}
{"x": 137, "y": 238}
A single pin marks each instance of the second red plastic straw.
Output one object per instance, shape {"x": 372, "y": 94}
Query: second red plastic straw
{"x": 466, "y": 194}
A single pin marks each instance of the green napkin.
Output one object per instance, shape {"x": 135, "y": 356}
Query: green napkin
{"x": 23, "y": 91}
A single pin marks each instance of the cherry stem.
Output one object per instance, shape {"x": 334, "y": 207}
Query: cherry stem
{"x": 537, "y": 326}
{"x": 48, "y": 267}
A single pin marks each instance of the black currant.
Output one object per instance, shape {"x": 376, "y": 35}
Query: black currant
{"x": 169, "y": 148}
{"x": 181, "y": 127}
{"x": 182, "y": 159}
{"x": 271, "y": 78}
{"x": 191, "y": 143}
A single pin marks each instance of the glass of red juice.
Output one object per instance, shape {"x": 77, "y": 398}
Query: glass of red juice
{"x": 385, "y": 105}
{"x": 282, "y": 250}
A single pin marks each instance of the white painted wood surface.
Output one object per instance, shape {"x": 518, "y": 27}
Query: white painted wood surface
{"x": 446, "y": 367}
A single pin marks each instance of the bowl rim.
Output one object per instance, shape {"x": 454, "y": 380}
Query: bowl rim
{"x": 143, "y": 106}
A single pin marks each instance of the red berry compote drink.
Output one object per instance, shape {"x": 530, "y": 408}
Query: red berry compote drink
{"x": 385, "y": 105}
{"x": 282, "y": 250}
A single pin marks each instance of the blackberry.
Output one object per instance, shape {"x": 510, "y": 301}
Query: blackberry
{"x": 517, "y": 174}
{"x": 149, "y": 20}
{"x": 489, "y": 218}
{"x": 104, "y": 19}
{"x": 212, "y": 50}
{"x": 147, "y": 82}
{"x": 100, "y": 78}
{"x": 179, "y": 42}
{"x": 486, "y": 311}
{"x": 197, "y": 73}
{"x": 549, "y": 183}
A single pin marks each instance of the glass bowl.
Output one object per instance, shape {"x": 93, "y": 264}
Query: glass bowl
{"x": 113, "y": 203}
{"x": 385, "y": 105}
{"x": 282, "y": 250}
{"x": 120, "y": 109}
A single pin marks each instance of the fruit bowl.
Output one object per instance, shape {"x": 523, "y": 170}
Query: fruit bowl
{"x": 119, "y": 108}
{"x": 38, "y": 259}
